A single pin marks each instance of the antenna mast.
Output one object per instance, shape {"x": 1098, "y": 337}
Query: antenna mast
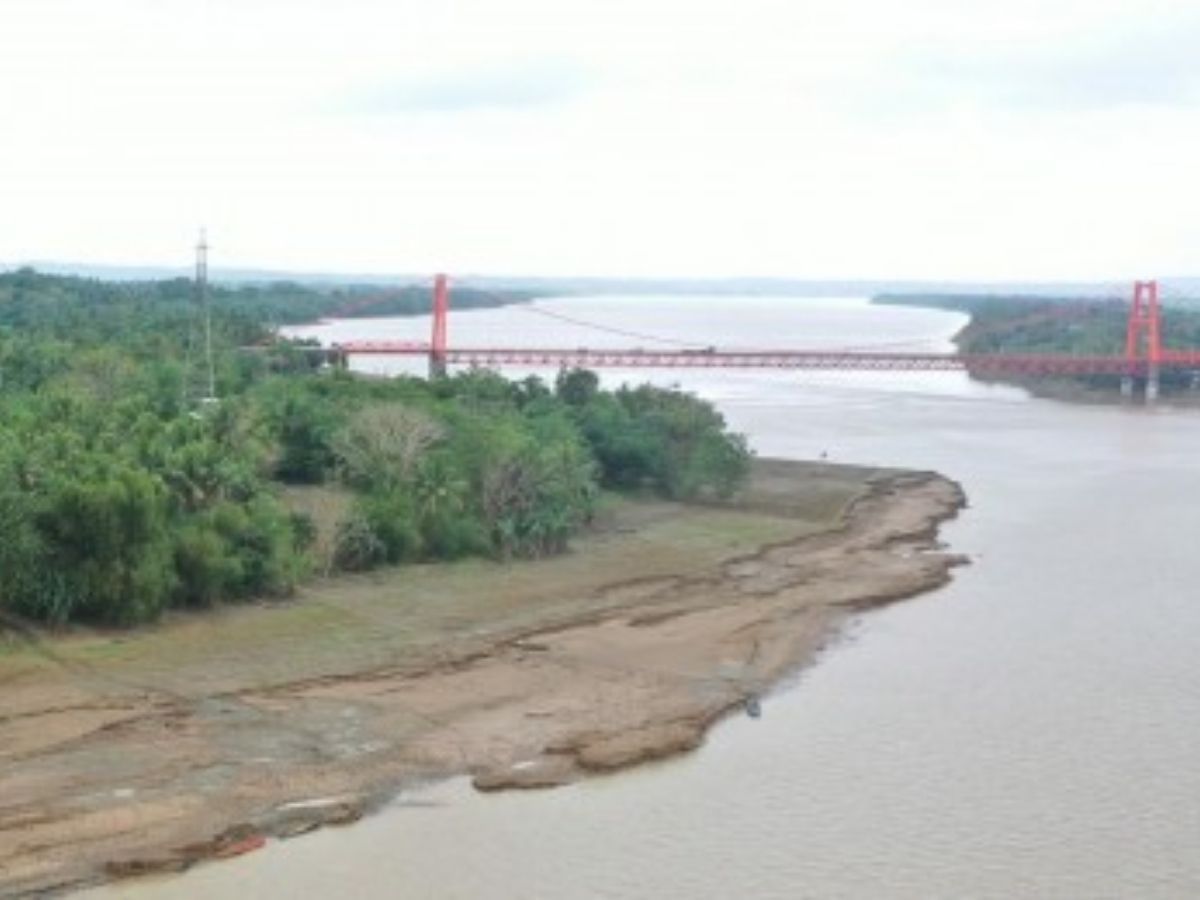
{"x": 202, "y": 301}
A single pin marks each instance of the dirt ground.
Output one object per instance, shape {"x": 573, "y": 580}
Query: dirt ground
{"x": 123, "y": 753}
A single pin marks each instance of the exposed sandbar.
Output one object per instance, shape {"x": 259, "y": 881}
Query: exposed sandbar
{"x": 126, "y": 754}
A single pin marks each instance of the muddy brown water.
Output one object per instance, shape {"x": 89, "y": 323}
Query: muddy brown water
{"x": 1028, "y": 731}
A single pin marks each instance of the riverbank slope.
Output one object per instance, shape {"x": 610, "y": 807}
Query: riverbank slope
{"x": 149, "y": 751}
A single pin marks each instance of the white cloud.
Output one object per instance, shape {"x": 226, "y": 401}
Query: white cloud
{"x": 809, "y": 137}
{"x": 517, "y": 85}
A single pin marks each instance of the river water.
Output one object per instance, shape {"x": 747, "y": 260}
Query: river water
{"x": 1028, "y": 731}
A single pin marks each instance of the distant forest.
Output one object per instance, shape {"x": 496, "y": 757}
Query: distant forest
{"x": 60, "y": 303}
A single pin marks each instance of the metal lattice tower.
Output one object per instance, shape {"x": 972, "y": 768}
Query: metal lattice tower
{"x": 202, "y": 302}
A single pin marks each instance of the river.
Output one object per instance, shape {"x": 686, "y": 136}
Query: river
{"x": 1028, "y": 731}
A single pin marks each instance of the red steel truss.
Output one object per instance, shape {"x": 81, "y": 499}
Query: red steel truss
{"x": 1144, "y": 354}
{"x": 836, "y": 360}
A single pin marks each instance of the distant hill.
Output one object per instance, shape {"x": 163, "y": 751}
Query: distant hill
{"x": 1173, "y": 288}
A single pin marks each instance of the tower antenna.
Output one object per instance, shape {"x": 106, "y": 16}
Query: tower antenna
{"x": 203, "y": 302}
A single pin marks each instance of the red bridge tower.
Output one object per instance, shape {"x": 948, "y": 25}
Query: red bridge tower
{"x": 1143, "y": 338}
{"x": 437, "y": 343}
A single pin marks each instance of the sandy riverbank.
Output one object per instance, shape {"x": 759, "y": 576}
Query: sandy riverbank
{"x": 122, "y": 754}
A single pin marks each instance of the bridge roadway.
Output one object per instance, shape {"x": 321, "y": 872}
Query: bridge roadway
{"x": 834, "y": 360}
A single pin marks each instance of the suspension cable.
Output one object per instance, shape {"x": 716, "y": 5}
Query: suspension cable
{"x": 882, "y": 345}
{"x": 595, "y": 326}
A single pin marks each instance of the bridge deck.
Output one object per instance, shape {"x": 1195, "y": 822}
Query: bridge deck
{"x": 837, "y": 360}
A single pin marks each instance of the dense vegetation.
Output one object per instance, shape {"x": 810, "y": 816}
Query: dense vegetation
{"x": 64, "y": 305}
{"x": 1028, "y": 324}
{"x": 122, "y": 494}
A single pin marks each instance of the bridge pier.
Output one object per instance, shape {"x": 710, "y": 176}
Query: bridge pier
{"x": 1152, "y": 386}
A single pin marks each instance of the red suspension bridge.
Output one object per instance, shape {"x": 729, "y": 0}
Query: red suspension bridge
{"x": 1144, "y": 357}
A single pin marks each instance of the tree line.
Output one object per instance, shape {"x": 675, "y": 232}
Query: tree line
{"x": 121, "y": 496}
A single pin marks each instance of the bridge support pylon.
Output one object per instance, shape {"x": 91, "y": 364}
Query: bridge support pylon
{"x": 1143, "y": 339}
{"x": 1152, "y": 385}
{"x": 437, "y": 342}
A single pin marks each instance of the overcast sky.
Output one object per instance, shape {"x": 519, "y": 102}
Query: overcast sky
{"x": 972, "y": 139}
